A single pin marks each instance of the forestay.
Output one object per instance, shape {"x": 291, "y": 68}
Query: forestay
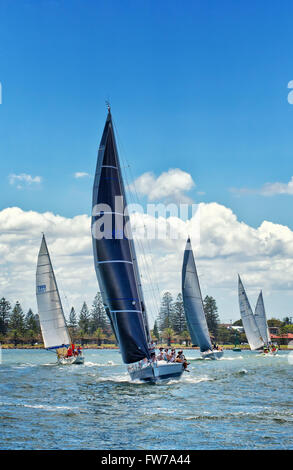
{"x": 250, "y": 326}
{"x": 261, "y": 319}
{"x": 114, "y": 253}
{"x": 52, "y": 320}
{"x": 193, "y": 305}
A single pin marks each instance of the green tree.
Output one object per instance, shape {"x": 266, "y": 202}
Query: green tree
{"x": 16, "y": 321}
{"x": 185, "y": 336}
{"x": 84, "y": 319}
{"x": 168, "y": 334}
{"x": 31, "y": 322}
{"x": 155, "y": 332}
{"x": 72, "y": 319}
{"x": 275, "y": 322}
{"x": 166, "y": 312}
{"x": 178, "y": 315}
{"x": 211, "y": 312}
{"x": 98, "y": 316}
{"x": 5, "y": 310}
{"x": 237, "y": 323}
{"x": 100, "y": 335}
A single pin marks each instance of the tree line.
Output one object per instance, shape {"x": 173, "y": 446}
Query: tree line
{"x": 90, "y": 325}
{"x": 171, "y": 325}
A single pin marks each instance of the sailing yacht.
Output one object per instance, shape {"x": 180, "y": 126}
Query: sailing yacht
{"x": 52, "y": 320}
{"x": 193, "y": 307}
{"x": 249, "y": 322}
{"x": 117, "y": 268}
{"x": 261, "y": 321}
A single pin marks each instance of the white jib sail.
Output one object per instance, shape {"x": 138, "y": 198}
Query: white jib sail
{"x": 251, "y": 329}
{"x": 52, "y": 320}
{"x": 261, "y": 319}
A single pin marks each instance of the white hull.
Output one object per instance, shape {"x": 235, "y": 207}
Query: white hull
{"x": 156, "y": 371}
{"x": 70, "y": 360}
{"x": 215, "y": 354}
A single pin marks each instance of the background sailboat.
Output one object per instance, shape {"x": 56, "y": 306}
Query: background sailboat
{"x": 116, "y": 265}
{"x": 261, "y": 321}
{"x": 53, "y": 325}
{"x": 252, "y": 332}
{"x": 193, "y": 307}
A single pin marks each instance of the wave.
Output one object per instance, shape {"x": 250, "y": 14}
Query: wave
{"x": 42, "y": 407}
{"x": 269, "y": 415}
{"x": 196, "y": 380}
{"x": 99, "y": 364}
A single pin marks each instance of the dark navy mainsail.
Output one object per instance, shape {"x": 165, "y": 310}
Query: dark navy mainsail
{"x": 192, "y": 300}
{"x": 114, "y": 254}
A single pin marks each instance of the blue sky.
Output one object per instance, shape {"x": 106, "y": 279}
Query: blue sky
{"x": 202, "y": 87}
{"x": 198, "y": 85}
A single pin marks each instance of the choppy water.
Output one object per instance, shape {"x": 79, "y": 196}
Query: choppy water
{"x": 239, "y": 402}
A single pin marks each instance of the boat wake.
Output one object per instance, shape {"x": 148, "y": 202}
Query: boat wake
{"x": 196, "y": 380}
{"x": 98, "y": 364}
{"x": 224, "y": 358}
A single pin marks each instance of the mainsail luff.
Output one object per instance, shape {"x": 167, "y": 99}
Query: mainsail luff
{"x": 249, "y": 323}
{"x": 114, "y": 253}
{"x": 193, "y": 304}
{"x": 52, "y": 320}
{"x": 261, "y": 319}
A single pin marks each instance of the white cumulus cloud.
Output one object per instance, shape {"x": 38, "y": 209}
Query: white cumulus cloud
{"x": 263, "y": 256}
{"x": 268, "y": 189}
{"x": 171, "y": 185}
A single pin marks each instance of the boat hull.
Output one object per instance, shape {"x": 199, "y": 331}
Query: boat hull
{"x": 214, "y": 355}
{"x": 156, "y": 372}
{"x": 70, "y": 360}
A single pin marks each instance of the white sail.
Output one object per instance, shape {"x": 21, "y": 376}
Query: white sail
{"x": 52, "y": 320}
{"x": 261, "y": 319}
{"x": 251, "y": 329}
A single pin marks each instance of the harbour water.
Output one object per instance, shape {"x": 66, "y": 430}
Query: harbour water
{"x": 243, "y": 401}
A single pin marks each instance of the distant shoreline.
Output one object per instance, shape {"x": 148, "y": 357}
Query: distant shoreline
{"x": 226, "y": 347}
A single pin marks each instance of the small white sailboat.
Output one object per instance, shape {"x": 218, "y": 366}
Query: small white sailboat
{"x": 250, "y": 326}
{"x": 261, "y": 321}
{"x": 117, "y": 268}
{"x": 193, "y": 307}
{"x": 52, "y": 320}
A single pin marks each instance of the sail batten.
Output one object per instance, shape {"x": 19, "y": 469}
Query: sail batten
{"x": 261, "y": 319}
{"x": 53, "y": 325}
{"x": 193, "y": 304}
{"x": 114, "y": 253}
{"x": 249, "y": 323}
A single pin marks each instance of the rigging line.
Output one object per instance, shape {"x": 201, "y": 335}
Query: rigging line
{"x": 126, "y": 166}
{"x": 139, "y": 243}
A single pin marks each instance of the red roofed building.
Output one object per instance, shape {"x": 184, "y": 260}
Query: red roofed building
{"x": 283, "y": 339}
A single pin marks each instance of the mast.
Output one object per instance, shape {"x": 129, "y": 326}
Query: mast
{"x": 250, "y": 326}
{"x": 261, "y": 319}
{"x": 52, "y": 320}
{"x": 193, "y": 304}
{"x": 114, "y": 253}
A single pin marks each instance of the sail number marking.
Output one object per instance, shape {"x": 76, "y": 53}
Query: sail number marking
{"x": 41, "y": 288}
